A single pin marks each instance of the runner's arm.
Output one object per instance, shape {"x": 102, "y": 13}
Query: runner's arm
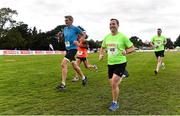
{"x": 101, "y": 53}
{"x": 128, "y": 50}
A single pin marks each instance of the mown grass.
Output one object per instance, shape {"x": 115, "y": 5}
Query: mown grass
{"x": 27, "y": 87}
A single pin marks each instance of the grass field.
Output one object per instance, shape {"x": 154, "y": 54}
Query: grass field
{"x": 27, "y": 87}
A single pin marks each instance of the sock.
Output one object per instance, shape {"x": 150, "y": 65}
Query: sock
{"x": 83, "y": 77}
{"x": 123, "y": 75}
{"x": 115, "y": 102}
{"x": 63, "y": 83}
{"x": 76, "y": 77}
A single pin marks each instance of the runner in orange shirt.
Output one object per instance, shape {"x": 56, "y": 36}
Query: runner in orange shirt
{"x": 82, "y": 55}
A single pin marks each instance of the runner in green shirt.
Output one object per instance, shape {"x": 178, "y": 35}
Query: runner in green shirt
{"x": 158, "y": 42}
{"x": 117, "y": 45}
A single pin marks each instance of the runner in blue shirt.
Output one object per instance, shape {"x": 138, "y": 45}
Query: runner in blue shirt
{"x": 70, "y": 34}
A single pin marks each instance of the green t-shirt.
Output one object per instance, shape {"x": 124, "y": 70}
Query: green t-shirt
{"x": 115, "y": 45}
{"x": 159, "y": 41}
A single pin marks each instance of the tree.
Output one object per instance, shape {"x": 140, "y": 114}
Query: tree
{"x": 13, "y": 40}
{"x": 6, "y": 15}
{"x": 177, "y": 42}
{"x": 26, "y": 34}
{"x": 169, "y": 44}
{"x": 51, "y": 35}
{"x": 34, "y": 31}
{"x": 93, "y": 45}
{"x": 136, "y": 41}
{"x": 40, "y": 42}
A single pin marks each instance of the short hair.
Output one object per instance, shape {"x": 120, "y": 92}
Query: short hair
{"x": 159, "y": 29}
{"x": 69, "y": 17}
{"x": 115, "y": 20}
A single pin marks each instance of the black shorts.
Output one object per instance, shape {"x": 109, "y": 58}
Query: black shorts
{"x": 159, "y": 53}
{"x": 70, "y": 54}
{"x": 117, "y": 69}
{"x": 82, "y": 59}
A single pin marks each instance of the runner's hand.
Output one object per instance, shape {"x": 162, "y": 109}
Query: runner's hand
{"x": 155, "y": 46}
{"x": 101, "y": 57}
{"x": 124, "y": 52}
{"x": 76, "y": 43}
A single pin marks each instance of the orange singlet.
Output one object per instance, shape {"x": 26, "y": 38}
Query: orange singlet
{"x": 82, "y": 52}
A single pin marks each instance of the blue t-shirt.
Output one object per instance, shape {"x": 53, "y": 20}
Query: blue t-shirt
{"x": 70, "y": 35}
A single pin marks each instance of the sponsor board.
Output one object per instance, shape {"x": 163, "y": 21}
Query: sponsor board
{"x": 29, "y": 52}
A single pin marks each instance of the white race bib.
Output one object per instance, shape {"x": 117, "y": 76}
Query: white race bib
{"x": 158, "y": 42}
{"x": 112, "y": 51}
{"x": 67, "y": 43}
{"x": 79, "y": 52}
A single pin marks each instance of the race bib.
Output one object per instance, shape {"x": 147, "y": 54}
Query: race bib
{"x": 67, "y": 43}
{"x": 158, "y": 42}
{"x": 79, "y": 52}
{"x": 112, "y": 51}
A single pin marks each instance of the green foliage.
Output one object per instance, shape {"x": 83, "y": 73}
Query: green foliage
{"x": 14, "y": 39}
{"x": 136, "y": 41}
{"x": 94, "y": 44}
{"x": 177, "y": 42}
{"x": 27, "y": 87}
{"x": 56, "y": 30}
{"x": 169, "y": 44}
{"x": 6, "y": 15}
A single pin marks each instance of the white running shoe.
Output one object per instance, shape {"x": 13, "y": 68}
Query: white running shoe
{"x": 95, "y": 67}
{"x": 75, "y": 79}
{"x": 163, "y": 65}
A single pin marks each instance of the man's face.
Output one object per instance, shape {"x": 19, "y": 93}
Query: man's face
{"x": 113, "y": 26}
{"x": 68, "y": 22}
{"x": 159, "y": 32}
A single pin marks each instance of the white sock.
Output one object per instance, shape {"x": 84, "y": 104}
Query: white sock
{"x": 83, "y": 77}
{"x": 115, "y": 102}
{"x": 123, "y": 75}
{"x": 63, "y": 83}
